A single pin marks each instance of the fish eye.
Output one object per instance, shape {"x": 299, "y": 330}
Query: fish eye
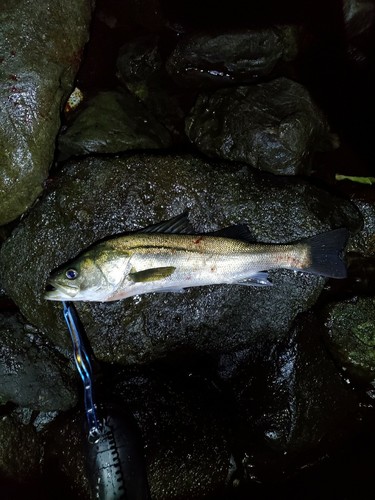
{"x": 71, "y": 274}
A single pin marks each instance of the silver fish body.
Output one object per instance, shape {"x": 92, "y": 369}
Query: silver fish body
{"x": 145, "y": 262}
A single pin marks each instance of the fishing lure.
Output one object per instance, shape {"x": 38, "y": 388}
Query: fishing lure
{"x": 114, "y": 455}
{"x": 83, "y": 365}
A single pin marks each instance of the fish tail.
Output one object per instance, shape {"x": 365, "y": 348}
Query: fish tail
{"x": 326, "y": 253}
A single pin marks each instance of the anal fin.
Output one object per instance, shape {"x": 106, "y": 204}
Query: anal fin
{"x": 258, "y": 279}
{"x": 172, "y": 289}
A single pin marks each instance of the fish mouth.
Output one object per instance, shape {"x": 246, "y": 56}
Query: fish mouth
{"x": 56, "y": 291}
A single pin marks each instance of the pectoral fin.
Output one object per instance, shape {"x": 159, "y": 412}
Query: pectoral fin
{"x": 153, "y": 274}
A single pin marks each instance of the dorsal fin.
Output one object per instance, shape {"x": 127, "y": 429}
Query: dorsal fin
{"x": 236, "y": 232}
{"x": 178, "y": 225}
{"x": 181, "y": 225}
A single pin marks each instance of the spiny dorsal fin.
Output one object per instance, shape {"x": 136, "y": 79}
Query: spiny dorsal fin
{"x": 178, "y": 225}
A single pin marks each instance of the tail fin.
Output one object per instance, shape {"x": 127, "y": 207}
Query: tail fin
{"x": 326, "y": 251}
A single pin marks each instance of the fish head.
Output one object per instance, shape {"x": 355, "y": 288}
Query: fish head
{"x": 75, "y": 281}
{"x": 91, "y": 277}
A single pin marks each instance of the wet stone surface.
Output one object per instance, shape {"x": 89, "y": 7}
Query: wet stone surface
{"x": 211, "y": 60}
{"x": 191, "y": 459}
{"x": 306, "y": 403}
{"x": 364, "y": 241}
{"x": 40, "y": 50}
{"x": 141, "y": 69}
{"x": 291, "y": 424}
{"x": 273, "y": 126}
{"x": 185, "y": 441}
{"x": 359, "y": 19}
{"x": 20, "y": 453}
{"x": 350, "y": 327}
{"x": 112, "y": 122}
{"x": 32, "y": 373}
{"x": 203, "y": 431}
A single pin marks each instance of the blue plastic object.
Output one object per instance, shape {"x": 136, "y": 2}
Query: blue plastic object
{"x": 83, "y": 364}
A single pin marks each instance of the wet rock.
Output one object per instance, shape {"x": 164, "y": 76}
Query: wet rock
{"x": 359, "y": 18}
{"x": 64, "y": 461}
{"x": 20, "y": 455}
{"x": 268, "y": 414}
{"x": 112, "y": 122}
{"x": 28, "y": 416}
{"x": 360, "y": 280}
{"x": 145, "y": 189}
{"x": 188, "y": 453}
{"x": 302, "y": 407}
{"x": 364, "y": 241}
{"x": 273, "y": 126}
{"x": 141, "y": 68}
{"x": 361, "y": 256}
{"x": 40, "y": 51}
{"x": 32, "y": 373}
{"x": 139, "y": 60}
{"x": 211, "y": 60}
{"x": 350, "y": 327}
{"x": 182, "y": 420}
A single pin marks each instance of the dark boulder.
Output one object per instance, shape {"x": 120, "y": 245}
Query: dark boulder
{"x": 273, "y": 126}
{"x": 234, "y": 57}
{"x": 112, "y": 122}
{"x": 40, "y": 51}
{"x": 33, "y": 373}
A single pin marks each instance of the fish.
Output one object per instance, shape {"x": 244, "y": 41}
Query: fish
{"x": 169, "y": 257}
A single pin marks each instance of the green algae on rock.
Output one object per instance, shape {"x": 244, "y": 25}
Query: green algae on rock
{"x": 364, "y": 241}
{"x": 351, "y": 335}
